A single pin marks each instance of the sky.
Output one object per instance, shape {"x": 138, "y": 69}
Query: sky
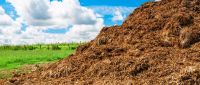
{"x": 59, "y": 21}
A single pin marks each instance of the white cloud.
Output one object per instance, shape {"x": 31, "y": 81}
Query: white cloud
{"x": 118, "y": 13}
{"x": 83, "y": 32}
{"x": 76, "y": 33}
{"x": 54, "y": 14}
{"x": 110, "y": 10}
{"x": 5, "y": 19}
{"x": 40, "y": 15}
{"x": 7, "y": 25}
{"x": 2, "y": 12}
{"x": 117, "y": 16}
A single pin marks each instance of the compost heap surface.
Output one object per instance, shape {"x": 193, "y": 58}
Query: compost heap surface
{"x": 157, "y": 44}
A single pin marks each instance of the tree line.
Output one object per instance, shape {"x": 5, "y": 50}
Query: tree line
{"x": 57, "y": 46}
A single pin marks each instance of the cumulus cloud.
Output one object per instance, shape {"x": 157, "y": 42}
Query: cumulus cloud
{"x": 54, "y": 14}
{"x": 39, "y": 15}
{"x": 83, "y": 32}
{"x": 5, "y": 19}
{"x": 117, "y": 13}
{"x": 76, "y": 33}
{"x": 117, "y": 16}
{"x": 7, "y": 24}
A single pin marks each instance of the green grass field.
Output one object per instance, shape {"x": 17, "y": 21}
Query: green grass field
{"x": 14, "y": 57}
{"x": 10, "y": 59}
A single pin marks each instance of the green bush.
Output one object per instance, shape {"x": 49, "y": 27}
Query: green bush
{"x": 31, "y": 48}
{"x": 17, "y": 48}
{"x": 55, "y": 47}
{"x": 73, "y": 48}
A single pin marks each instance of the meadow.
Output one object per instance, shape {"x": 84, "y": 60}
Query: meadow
{"x": 14, "y": 57}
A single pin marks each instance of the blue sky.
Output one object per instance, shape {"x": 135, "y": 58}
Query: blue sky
{"x": 39, "y": 21}
{"x": 88, "y": 3}
{"x": 127, "y": 3}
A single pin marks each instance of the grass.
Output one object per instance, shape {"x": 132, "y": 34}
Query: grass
{"x": 10, "y": 59}
{"x": 15, "y": 57}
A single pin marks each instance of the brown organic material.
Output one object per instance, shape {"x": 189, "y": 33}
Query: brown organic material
{"x": 157, "y": 44}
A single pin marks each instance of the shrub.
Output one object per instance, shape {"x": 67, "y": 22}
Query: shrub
{"x": 55, "y": 47}
{"x": 31, "y": 48}
{"x": 73, "y": 48}
{"x": 17, "y": 48}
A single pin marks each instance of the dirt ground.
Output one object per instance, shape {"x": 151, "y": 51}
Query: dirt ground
{"x": 157, "y": 44}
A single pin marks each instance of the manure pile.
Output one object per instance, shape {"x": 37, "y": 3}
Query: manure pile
{"x": 157, "y": 44}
